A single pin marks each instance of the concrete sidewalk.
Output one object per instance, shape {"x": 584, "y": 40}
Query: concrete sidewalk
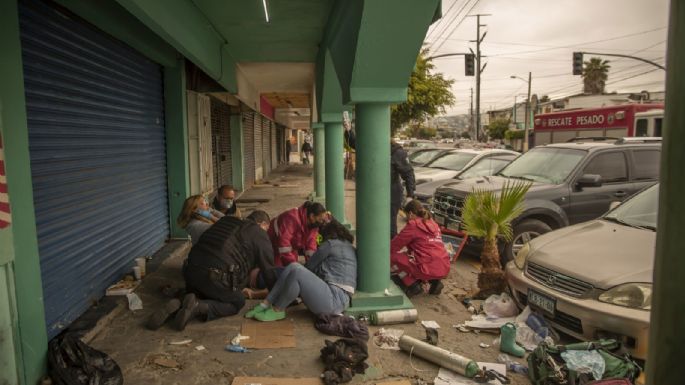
{"x": 134, "y": 347}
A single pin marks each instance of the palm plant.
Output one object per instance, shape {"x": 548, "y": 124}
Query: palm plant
{"x": 488, "y": 214}
{"x": 595, "y": 75}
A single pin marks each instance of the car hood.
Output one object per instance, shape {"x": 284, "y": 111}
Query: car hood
{"x": 426, "y": 190}
{"x": 602, "y": 253}
{"x": 431, "y": 174}
{"x": 494, "y": 183}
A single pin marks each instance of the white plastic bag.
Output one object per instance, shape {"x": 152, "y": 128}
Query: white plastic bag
{"x": 134, "y": 302}
{"x": 500, "y": 306}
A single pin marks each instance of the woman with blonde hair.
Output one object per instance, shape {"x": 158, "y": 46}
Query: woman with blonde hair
{"x": 196, "y": 216}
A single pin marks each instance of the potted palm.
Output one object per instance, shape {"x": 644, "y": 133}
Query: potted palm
{"x": 488, "y": 215}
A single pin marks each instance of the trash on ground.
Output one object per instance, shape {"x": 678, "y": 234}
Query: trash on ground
{"x": 501, "y": 306}
{"x": 432, "y": 336}
{"x": 508, "y": 341}
{"x": 236, "y": 340}
{"x": 430, "y": 324}
{"x": 585, "y": 361}
{"x": 200, "y": 348}
{"x": 511, "y": 364}
{"x": 181, "y": 342}
{"x": 439, "y": 356}
{"x": 462, "y": 328}
{"x": 387, "y": 292}
{"x": 236, "y": 349}
{"x": 72, "y": 361}
{"x": 388, "y": 339}
{"x": 343, "y": 359}
{"x": 122, "y": 287}
{"x": 481, "y": 322}
{"x": 269, "y": 335}
{"x": 483, "y": 345}
{"x": 394, "y": 317}
{"x": 276, "y": 381}
{"x": 341, "y": 326}
{"x": 166, "y": 362}
{"x": 449, "y": 377}
{"x": 134, "y": 302}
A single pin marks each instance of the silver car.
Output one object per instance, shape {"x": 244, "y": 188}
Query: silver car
{"x": 594, "y": 279}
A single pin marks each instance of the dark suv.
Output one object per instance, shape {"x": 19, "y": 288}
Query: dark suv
{"x": 571, "y": 183}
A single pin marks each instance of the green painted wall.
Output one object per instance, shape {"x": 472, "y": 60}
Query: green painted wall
{"x": 31, "y": 331}
{"x": 237, "y": 143}
{"x": 175, "y": 107}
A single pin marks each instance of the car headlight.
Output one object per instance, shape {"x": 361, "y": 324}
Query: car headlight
{"x": 633, "y": 295}
{"x": 522, "y": 255}
{"x": 424, "y": 180}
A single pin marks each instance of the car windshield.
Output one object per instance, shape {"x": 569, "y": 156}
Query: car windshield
{"x": 454, "y": 161}
{"x": 484, "y": 167}
{"x": 544, "y": 165}
{"x": 421, "y": 157}
{"x": 639, "y": 211}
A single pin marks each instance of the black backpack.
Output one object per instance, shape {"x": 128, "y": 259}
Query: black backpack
{"x": 72, "y": 362}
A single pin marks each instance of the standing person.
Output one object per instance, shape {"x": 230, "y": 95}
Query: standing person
{"x": 306, "y": 151}
{"x": 287, "y": 150}
{"x": 399, "y": 167}
{"x": 295, "y": 231}
{"x": 425, "y": 258}
{"x": 196, "y": 216}
{"x": 224, "y": 201}
{"x": 325, "y": 283}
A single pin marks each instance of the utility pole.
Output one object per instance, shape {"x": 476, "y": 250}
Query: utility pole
{"x": 525, "y": 131}
{"x": 479, "y": 69}
{"x": 471, "y": 114}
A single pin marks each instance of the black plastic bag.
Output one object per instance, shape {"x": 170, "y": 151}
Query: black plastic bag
{"x": 72, "y": 362}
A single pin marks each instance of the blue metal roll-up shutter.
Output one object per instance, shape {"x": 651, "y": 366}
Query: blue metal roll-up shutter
{"x": 95, "y": 113}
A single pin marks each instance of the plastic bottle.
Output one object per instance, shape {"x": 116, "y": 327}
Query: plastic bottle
{"x": 512, "y": 365}
{"x": 538, "y": 324}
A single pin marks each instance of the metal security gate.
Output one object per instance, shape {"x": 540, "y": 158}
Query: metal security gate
{"x": 248, "y": 148}
{"x": 274, "y": 153}
{"x": 95, "y": 112}
{"x": 258, "y": 153}
{"x": 221, "y": 143}
{"x": 266, "y": 146}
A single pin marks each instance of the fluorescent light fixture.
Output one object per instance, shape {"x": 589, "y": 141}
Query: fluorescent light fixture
{"x": 266, "y": 11}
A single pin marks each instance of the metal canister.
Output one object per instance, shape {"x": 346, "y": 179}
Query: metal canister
{"x": 394, "y": 316}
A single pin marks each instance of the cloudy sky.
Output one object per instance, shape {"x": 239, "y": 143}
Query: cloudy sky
{"x": 540, "y": 36}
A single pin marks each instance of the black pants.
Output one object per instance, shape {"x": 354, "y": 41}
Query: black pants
{"x": 396, "y": 199}
{"x": 222, "y": 301}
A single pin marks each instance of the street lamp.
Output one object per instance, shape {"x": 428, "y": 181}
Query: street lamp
{"x": 525, "y": 132}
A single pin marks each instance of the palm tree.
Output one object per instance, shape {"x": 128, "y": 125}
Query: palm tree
{"x": 595, "y": 75}
{"x": 488, "y": 215}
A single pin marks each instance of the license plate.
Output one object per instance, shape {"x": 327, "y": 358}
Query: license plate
{"x": 440, "y": 220}
{"x": 542, "y": 301}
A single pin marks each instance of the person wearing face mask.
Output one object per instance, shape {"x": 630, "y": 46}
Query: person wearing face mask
{"x": 296, "y": 231}
{"x": 224, "y": 201}
{"x": 196, "y": 216}
{"x": 425, "y": 258}
{"x": 218, "y": 269}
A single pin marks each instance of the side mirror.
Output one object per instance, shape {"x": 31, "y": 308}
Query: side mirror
{"x": 589, "y": 180}
{"x": 613, "y": 205}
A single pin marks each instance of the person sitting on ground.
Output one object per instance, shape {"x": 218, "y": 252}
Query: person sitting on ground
{"x": 425, "y": 258}
{"x": 218, "y": 268}
{"x": 295, "y": 231}
{"x": 224, "y": 201}
{"x": 196, "y": 216}
{"x": 325, "y": 283}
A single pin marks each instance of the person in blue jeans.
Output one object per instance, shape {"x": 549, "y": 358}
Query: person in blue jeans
{"x": 325, "y": 283}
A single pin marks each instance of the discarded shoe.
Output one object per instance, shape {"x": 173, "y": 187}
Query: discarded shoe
{"x": 191, "y": 309}
{"x": 414, "y": 289}
{"x": 507, "y": 342}
{"x": 270, "y": 315}
{"x": 257, "y": 309}
{"x": 159, "y": 317}
{"x": 436, "y": 287}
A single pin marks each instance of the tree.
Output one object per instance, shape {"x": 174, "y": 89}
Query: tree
{"x": 428, "y": 94}
{"x": 498, "y": 127}
{"x": 419, "y": 132}
{"x": 595, "y": 75}
{"x": 487, "y": 214}
{"x": 465, "y": 135}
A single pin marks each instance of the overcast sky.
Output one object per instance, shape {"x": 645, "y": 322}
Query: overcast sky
{"x": 539, "y": 36}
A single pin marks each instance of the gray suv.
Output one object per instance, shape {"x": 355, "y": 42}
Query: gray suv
{"x": 571, "y": 183}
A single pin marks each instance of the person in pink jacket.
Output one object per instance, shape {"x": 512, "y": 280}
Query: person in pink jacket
{"x": 295, "y": 231}
{"x": 417, "y": 253}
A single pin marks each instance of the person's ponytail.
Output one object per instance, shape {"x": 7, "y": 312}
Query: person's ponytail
{"x": 415, "y": 207}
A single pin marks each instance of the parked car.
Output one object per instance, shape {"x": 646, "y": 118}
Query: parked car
{"x": 571, "y": 183}
{"x": 451, "y": 162}
{"x": 490, "y": 163}
{"x": 422, "y": 156}
{"x": 594, "y": 280}
{"x": 416, "y": 144}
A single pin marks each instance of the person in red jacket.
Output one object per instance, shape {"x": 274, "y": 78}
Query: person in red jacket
{"x": 425, "y": 257}
{"x": 295, "y": 231}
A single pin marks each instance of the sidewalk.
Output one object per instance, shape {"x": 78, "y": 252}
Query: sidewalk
{"x": 134, "y": 347}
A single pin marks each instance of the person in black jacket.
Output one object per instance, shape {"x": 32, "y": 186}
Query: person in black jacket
{"x": 218, "y": 268}
{"x": 400, "y": 167}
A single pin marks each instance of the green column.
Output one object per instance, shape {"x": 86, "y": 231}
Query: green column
{"x": 373, "y": 196}
{"x": 335, "y": 178}
{"x": 319, "y": 160}
{"x": 237, "y": 151}
{"x": 667, "y": 333}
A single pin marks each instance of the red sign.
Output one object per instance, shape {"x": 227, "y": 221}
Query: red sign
{"x": 5, "y": 217}
{"x": 621, "y": 116}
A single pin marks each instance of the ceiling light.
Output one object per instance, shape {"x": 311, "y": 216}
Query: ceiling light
{"x": 266, "y": 11}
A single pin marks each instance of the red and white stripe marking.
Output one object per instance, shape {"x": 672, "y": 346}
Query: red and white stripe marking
{"x": 5, "y": 217}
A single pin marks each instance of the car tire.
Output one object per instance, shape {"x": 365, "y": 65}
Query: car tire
{"x": 524, "y": 231}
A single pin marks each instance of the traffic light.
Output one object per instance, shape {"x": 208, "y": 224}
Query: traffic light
{"x": 577, "y": 63}
{"x": 469, "y": 64}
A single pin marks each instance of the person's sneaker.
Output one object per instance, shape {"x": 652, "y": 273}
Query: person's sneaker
{"x": 436, "y": 287}
{"x": 397, "y": 280}
{"x": 255, "y": 310}
{"x": 189, "y": 311}
{"x": 159, "y": 317}
{"x": 270, "y": 315}
{"x": 414, "y": 289}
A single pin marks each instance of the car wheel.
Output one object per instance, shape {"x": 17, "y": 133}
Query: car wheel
{"x": 524, "y": 232}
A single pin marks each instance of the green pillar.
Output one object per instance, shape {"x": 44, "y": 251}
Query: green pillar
{"x": 335, "y": 170}
{"x": 237, "y": 151}
{"x": 373, "y": 196}
{"x": 667, "y": 336}
{"x": 319, "y": 160}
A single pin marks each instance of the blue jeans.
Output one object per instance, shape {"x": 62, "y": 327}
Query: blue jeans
{"x": 319, "y": 296}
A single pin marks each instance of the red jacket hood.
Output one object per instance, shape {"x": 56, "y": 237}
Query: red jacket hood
{"x": 428, "y": 226}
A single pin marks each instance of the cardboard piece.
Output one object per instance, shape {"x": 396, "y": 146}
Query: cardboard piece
{"x": 268, "y": 335}
{"x": 400, "y": 382}
{"x": 275, "y": 381}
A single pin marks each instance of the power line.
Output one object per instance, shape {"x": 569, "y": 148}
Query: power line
{"x": 458, "y": 24}
{"x": 447, "y": 26}
{"x": 443, "y": 20}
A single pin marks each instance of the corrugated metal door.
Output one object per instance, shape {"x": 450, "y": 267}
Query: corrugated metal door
{"x": 221, "y": 144}
{"x": 266, "y": 143}
{"x": 95, "y": 112}
{"x": 248, "y": 148}
{"x": 258, "y": 153}
{"x": 274, "y": 146}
